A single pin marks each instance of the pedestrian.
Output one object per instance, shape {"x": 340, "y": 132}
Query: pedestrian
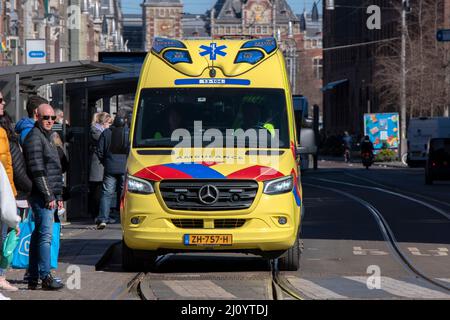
{"x": 44, "y": 167}
{"x": 7, "y": 182}
{"x": 5, "y": 153}
{"x": 24, "y": 126}
{"x": 113, "y": 148}
{"x": 8, "y": 218}
{"x": 66, "y": 136}
{"x": 347, "y": 142}
{"x": 100, "y": 122}
{"x": 58, "y": 125}
{"x": 22, "y": 182}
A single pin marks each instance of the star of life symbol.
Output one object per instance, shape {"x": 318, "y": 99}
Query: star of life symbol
{"x": 213, "y": 50}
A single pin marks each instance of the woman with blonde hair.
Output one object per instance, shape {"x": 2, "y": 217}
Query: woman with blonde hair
{"x": 94, "y": 118}
{"x": 100, "y": 122}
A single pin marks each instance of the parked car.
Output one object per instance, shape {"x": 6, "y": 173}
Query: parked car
{"x": 420, "y": 131}
{"x": 438, "y": 161}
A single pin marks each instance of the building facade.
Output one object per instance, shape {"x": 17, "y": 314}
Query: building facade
{"x": 2, "y": 34}
{"x": 133, "y": 32}
{"x": 73, "y": 29}
{"x": 311, "y": 57}
{"x": 195, "y": 26}
{"x": 260, "y": 19}
{"x": 354, "y": 53}
{"x": 161, "y": 18}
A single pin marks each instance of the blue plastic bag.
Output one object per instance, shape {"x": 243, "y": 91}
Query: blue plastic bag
{"x": 21, "y": 255}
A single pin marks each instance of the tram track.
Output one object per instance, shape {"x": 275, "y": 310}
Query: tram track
{"x": 279, "y": 288}
{"x": 383, "y": 226}
{"x": 399, "y": 191}
{"x": 277, "y": 282}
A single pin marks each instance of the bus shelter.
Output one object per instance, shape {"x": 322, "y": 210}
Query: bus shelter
{"x": 77, "y": 99}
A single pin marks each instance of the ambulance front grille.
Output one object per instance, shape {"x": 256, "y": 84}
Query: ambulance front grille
{"x": 184, "y": 194}
{"x": 199, "y": 223}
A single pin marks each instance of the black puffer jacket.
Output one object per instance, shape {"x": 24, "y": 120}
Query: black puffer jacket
{"x": 114, "y": 163}
{"x": 43, "y": 164}
{"x": 21, "y": 180}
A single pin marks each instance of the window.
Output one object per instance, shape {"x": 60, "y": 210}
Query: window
{"x": 162, "y": 111}
{"x": 318, "y": 67}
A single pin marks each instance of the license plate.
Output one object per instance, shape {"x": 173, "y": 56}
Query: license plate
{"x": 208, "y": 239}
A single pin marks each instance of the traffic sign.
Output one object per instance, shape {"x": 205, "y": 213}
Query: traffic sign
{"x": 35, "y": 51}
{"x": 443, "y": 35}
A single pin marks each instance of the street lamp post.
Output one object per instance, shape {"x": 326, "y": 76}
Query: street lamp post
{"x": 403, "y": 145}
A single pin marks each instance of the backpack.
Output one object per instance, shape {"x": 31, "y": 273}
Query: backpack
{"x": 120, "y": 140}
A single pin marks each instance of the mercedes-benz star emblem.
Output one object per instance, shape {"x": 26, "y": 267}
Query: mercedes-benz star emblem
{"x": 208, "y": 194}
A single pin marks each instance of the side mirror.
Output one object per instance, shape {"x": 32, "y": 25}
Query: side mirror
{"x": 298, "y": 115}
{"x": 307, "y": 142}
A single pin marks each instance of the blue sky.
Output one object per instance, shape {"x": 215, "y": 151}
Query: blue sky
{"x": 200, "y": 6}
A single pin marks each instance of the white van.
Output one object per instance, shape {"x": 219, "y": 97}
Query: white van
{"x": 420, "y": 131}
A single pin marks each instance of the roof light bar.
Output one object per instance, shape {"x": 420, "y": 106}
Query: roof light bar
{"x": 249, "y": 56}
{"x": 159, "y": 44}
{"x": 177, "y": 56}
{"x": 269, "y": 45}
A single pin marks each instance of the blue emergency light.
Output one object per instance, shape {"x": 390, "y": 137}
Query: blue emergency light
{"x": 159, "y": 44}
{"x": 249, "y": 56}
{"x": 177, "y": 56}
{"x": 269, "y": 45}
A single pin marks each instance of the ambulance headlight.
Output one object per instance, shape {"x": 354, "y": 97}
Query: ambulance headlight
{"x": 140, "y": 186}
{"x": 279, "y": 186}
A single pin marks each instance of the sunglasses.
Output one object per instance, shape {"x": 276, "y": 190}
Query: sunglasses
{"x": 53, "y": 118}
{"x": 2, "y": 100}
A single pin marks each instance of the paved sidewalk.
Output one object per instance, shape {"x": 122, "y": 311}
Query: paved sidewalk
{"x": 82, "y": 247}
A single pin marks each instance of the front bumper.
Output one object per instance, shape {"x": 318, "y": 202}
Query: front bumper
{"x": 260, "y": 232}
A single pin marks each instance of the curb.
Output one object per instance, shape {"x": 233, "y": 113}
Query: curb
{"x": 106, "y": 256}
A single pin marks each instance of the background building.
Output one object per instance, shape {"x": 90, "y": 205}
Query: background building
{"x": 311, "y": 57}
{"x": 72, "y": 30}
{"x": 349, "y": 63}
{"x": 161, "y": 18}
{"x": 195, "y": 26}
{"x": 261, "y": 18}
{"x": 133, "y": 32}
{"x": 362, "y": 67}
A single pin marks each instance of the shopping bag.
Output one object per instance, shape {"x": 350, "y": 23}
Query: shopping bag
{"x": 9, "y": 245}
{"x": 21, "y": 254}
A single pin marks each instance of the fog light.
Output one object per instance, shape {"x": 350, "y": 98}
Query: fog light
{"x": 282, "y": 220}
{"x": 135, "y": 220}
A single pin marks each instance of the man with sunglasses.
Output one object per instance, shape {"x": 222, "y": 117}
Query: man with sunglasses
{"x": 44, "y": 167}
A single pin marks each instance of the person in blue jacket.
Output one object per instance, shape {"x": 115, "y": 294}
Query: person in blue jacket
{"x": 112, "y": 151}
{"x": 24, "y": 125}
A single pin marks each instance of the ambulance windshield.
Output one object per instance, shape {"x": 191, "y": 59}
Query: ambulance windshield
{"x": 228, "y": 117}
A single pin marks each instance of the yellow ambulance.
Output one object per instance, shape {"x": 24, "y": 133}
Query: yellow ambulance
{"x": 213, "y": 165}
